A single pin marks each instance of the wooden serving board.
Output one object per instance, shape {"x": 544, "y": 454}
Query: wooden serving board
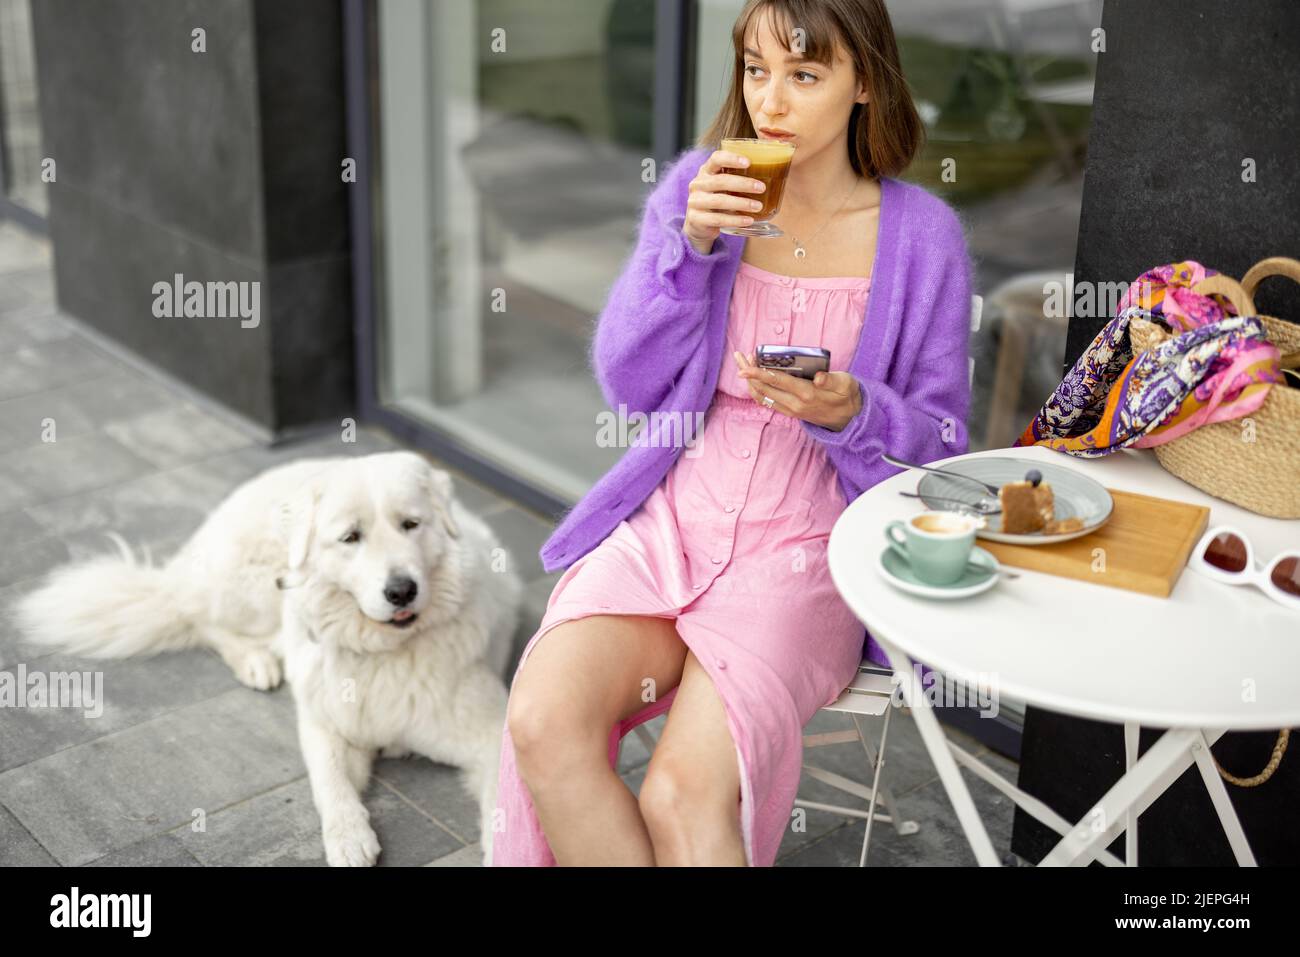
{"x": 1146, "y": 543}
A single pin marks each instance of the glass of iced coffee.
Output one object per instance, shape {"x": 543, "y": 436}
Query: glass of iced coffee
{"x": 769, "y": 162}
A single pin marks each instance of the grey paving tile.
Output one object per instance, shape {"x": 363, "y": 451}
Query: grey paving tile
{"x": 635, "y": 753}
{"x": 939, "y": 842}
{"x": 907, "y": 763}
{"x": 12, "y": 648}
{"x": 20, "y": 248}
{"x": 18, "y": 297}
{"x": 536, "y": 594}
{"x": 162, "y": 850}
{"x": 134, "y": 690}
{"x": 468, "y": 856}
{"x": 155, "y": 549}
{"x": 17, "y": 847}
{"x": 13, "y": 493}
{"x": 523, "y": 534}
{"x": 38, "y": 284}
{"x": 87, "y": 801}
{"x": 176, "y": 435}
{"x": 232, "y": 468}
{"x": 51, "y": 470}
{"x": 30, "y": 324}
{"x": 435, "y": 789}
{"x": 361, "y": 442}
{"x": 282, "y": 828}
{"x": 31, "y": 558}
{"x": 47, "y": 365}
{"x": 17, "y": 528}
{"x": 78, "y": 408}
{"x": 635, "y": 778}
{"x": 475, "y": 497}
{"x": 152, "y": 507}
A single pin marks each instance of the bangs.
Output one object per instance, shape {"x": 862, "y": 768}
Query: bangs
{"x": 783, "y": 17}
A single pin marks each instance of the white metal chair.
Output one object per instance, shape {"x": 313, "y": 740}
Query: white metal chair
{"x": 1018, "y": 307}
{"x": 869, "y": 694}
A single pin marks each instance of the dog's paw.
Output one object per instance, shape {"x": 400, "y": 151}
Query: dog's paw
{"x": 350, "y": 842}
{"x": 258, "y": 668}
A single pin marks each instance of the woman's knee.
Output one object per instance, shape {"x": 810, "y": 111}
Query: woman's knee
{"x": 583, "y": 677}
{"x": 554, "y": 729}
{"x": 675, "y": 798}
{"x": 547, "y": 728}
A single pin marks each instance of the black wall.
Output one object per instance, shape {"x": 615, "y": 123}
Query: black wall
{"x": 1185, "y": 91}
{"x": 223, "y": 165}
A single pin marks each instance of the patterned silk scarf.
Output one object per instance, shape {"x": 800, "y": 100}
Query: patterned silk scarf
{"x": 1217, "y": 366}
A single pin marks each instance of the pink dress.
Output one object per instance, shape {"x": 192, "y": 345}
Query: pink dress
{"x": 731, "y": 544}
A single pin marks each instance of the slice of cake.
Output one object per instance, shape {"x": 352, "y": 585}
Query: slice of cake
{"x": 1026, "y": 507}
{"x": 1062, "y": 525}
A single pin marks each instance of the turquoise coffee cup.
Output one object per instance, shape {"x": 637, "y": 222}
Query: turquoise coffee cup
{"x": 937, "y": 545}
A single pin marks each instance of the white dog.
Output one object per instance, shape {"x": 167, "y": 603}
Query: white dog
{"x": 390, "y": 605}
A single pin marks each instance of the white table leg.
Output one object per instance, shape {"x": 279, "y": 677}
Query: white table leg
{"x": 1151, "y": 775}
{"x": 1222, "y": 803}
{"x": 936, "y": 742}
{"x": 1131, "y": 832}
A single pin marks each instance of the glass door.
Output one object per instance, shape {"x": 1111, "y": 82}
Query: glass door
{"x": 513, "y": 142}
{"x": 20, "y": 120}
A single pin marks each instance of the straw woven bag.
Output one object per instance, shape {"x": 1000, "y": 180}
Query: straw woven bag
{"x": 1261, "y": 475}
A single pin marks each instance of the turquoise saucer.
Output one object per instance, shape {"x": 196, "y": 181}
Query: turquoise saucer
{"x": 981, "y": 574}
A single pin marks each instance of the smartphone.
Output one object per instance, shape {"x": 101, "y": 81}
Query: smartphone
{"x": 803, "y": 361}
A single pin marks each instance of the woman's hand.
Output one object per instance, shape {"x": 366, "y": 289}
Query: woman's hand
{"x": 830, "y": 400}
{"x": 709, "y": 208}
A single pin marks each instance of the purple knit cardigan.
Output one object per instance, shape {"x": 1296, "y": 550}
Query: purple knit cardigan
{"x": 658, "y": 348}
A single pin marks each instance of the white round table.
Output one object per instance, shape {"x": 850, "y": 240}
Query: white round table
{"x": 1208, "y": 659}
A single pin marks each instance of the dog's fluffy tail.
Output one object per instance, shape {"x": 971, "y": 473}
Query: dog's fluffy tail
{"x": 111, "y": 606}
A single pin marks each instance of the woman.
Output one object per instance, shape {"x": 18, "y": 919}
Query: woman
{"x": 698, "y": 582}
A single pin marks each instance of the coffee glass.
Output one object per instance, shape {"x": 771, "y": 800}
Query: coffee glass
{"x": 936, "y": 544}
{"x": 769, "y": 162}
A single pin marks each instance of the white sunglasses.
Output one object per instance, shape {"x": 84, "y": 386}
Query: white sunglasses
{"x": 1225, "y": 554}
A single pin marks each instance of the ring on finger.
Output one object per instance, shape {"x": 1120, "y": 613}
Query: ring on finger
{"x": 769, "y": 401}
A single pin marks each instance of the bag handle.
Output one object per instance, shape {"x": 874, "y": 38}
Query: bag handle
{"x": 1230, "y": 289}
{"x": 1279, "y": 749}
{"x": 1242, "y": 294}
{"x": 1272, "y": 266}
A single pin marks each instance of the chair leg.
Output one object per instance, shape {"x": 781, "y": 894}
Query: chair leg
{"x": 878, "y": 762}
{"x": 887, "y": 800}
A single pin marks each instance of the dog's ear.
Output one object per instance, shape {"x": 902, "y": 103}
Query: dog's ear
{"x": 436, "y": 484}
{"x": 442, "y": 495}
{"x": 297, "y": 523}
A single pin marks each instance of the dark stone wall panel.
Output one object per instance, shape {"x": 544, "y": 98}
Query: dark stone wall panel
{"x": 108, "y": 263}
{"x": 1186, "y": 90}
{"x": 131, "y": 115}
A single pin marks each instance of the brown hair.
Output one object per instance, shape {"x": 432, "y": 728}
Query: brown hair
{"x": 886, "y": 133}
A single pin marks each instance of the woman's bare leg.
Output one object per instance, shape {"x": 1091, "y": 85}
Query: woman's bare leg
{"x": 690, "y": 799}
{"x": 578, "y": 680}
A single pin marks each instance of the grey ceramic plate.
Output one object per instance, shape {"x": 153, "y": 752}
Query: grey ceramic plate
{"x": 1073, "y": 493}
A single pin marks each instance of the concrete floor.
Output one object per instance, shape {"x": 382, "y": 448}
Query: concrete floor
{"x": 179, "y": 738}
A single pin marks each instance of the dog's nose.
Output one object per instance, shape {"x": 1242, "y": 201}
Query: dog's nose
{"x": 400, "y": 591}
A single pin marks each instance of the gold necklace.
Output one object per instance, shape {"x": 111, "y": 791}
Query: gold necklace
{"x": 799, "y": 249}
